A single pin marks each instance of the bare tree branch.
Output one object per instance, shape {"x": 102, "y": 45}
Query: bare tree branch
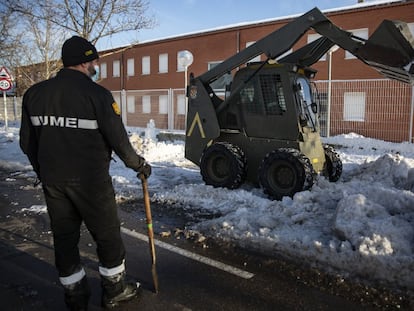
{"x": 32, "y": 32}
{"x": 91, "y": 19}
{"x": 10, "y": 39}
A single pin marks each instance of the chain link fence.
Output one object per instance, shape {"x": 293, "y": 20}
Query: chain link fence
{"x": 381, "y": 109}
{"x": 12, "y": 106}
{"x": 166, "y": 107}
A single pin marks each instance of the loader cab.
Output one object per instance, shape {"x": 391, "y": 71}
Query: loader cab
{"x": 276, "y": 102}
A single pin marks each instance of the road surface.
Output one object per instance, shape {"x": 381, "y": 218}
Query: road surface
{"x": 194, "y": 274}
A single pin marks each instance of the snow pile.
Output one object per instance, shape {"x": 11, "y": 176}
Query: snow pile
{"x": 360, "y": 226}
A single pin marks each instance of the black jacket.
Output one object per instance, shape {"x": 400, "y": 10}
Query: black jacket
{"x": 70, "y": 126}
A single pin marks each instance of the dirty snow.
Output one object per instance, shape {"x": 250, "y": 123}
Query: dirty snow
{"x": 361, "y": 226}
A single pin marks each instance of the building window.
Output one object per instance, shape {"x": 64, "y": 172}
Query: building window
{"x": 146, "y": 104}
{"x": 103, "y": 72}
{"x": 181, "y": 104}
{"x": 116, "y": 68}
{"x": 180, "y": 67}
{"x": 313, "y": 37}
{"x": 130, "y": 67}
{"x": 146, "y": 68}
{"x": 131, "y": 104}
{"x": 354, "y": 106}
{"x": 163, "y": 63}
{"x": 360, "y": 33}
{"x": 163, "y": 104}
{"x": 257, "y": 58}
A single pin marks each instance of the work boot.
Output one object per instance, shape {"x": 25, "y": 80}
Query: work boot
{"x": 77, "y": 295}
{"x": 116, "y": 290}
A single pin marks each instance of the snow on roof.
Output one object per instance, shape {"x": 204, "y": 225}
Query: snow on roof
{"x": 280, "y": 18}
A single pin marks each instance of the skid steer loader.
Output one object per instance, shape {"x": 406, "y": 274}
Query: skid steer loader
{"x": 265, "y": 129}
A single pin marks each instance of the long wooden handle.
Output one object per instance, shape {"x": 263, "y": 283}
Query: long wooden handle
{"x": 150, "y": 230}
{"x": 148, "y": 217}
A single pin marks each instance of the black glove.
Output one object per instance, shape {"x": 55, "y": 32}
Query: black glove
{"x": 145, "y": 170}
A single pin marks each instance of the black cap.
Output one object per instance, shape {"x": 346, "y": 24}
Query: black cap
{"x": 78, "y": 50}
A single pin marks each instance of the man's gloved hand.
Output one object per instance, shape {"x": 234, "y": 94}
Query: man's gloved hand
{"x": 145, "y": 170}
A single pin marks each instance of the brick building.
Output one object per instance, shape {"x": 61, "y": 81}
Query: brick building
{"x": 149, "y": 83}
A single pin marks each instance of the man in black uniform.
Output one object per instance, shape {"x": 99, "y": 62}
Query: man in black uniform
{"x": 70, "y": 126}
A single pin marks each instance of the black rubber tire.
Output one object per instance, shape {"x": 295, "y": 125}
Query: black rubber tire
{"x": 333, "y": 164}
{"x": 285, "y": 171}
{"x": 223, "y": 165}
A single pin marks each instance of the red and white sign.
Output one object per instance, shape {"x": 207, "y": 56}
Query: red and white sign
{"x": 5, "y": 84}
{"x": 5, "y": 79}
{"x": 4, "y": 73}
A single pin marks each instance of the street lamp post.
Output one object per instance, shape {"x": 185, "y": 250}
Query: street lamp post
{"x": 185, "y": 59}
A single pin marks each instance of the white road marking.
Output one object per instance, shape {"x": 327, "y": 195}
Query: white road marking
{"x": 211, "y": 262}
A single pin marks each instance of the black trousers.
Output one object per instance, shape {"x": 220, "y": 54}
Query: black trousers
{"x": 94, "y": 204}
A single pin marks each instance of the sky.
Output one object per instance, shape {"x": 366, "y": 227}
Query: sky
{"x": 186, "y": 16}
{"x": 359, "y": 227}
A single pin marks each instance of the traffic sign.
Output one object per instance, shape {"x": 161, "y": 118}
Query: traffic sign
{"x": 5, "y": 84}
{"x": 4, "y": 73}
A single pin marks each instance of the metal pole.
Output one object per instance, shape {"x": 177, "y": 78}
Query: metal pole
{"x": 410, "y": 135}
{"x": 124, "y": 106}
{"x": 328, "y": 119}
{"x": 15, "y": 108}
{"x": 6, "y": 126}
{"x": 328, "y": 113}
{"x": 170, "y": 108}
{"x": 185, "y": 95}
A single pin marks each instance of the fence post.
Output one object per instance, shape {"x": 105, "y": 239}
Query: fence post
{"x": 124, "y": 107}
{"x": 15, "y": 108}
{"x": 411, "y": 115}
{"x": 5, "y": 111}
{"x": 170, "y": 109}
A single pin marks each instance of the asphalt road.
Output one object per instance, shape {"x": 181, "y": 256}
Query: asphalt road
{"x": 192, "y": 274}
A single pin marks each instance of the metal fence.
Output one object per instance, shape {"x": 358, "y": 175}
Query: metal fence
{"x": 167, "y": 107}
{"x": 381, "y": 109}
{"x": 12, "y": 107}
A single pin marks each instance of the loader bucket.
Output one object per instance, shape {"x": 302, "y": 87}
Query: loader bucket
{"x": 390, "y": 50}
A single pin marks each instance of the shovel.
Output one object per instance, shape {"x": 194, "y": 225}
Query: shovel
{"x": 150, "y": 230}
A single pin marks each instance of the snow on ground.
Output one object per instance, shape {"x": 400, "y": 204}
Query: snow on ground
{"x": 361, "y": 226}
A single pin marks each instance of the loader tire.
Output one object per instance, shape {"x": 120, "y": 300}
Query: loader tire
{"x": 223, "y": 165}
{"x": 333, "y": 164}
{"x": 285, "y": 171}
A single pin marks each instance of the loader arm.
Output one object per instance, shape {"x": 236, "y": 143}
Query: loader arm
{"x": 273, "y": 45}
{"x": 390, "y": 49}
